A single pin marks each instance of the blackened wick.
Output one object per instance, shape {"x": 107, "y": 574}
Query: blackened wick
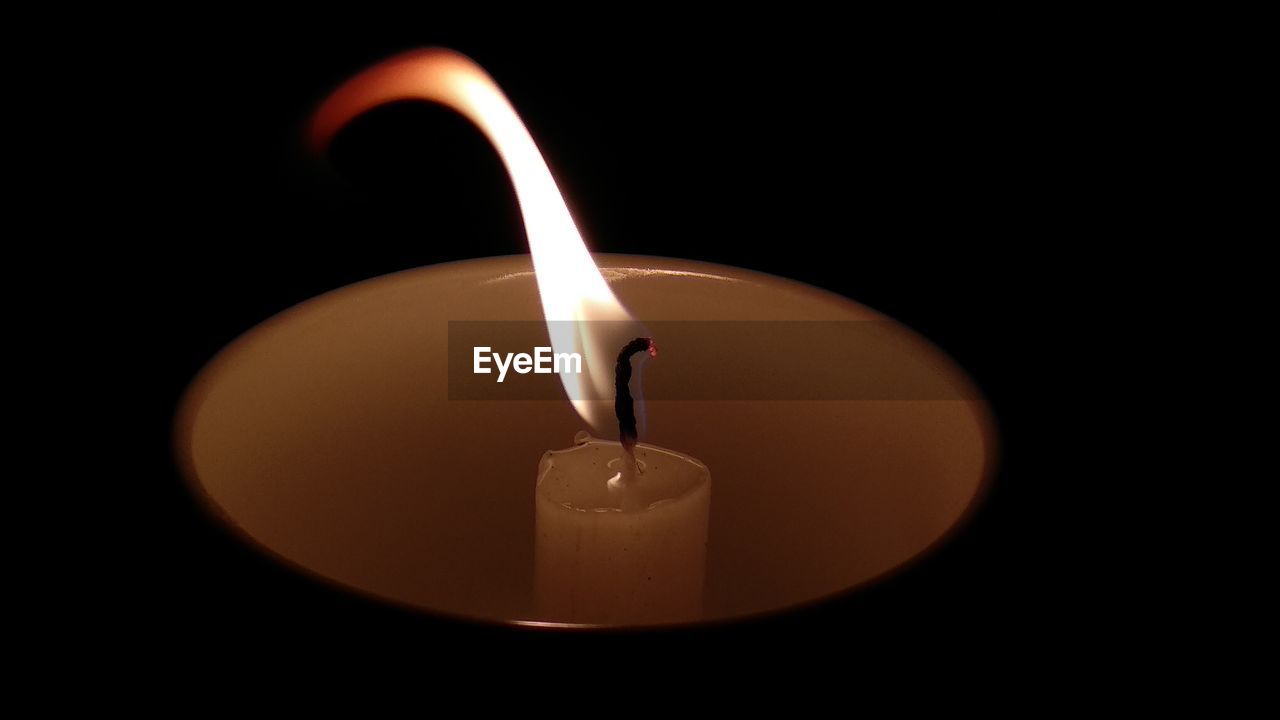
{"x": 623, "y": 406}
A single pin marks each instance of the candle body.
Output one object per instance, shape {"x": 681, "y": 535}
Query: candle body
{"x": 620, "y": 553}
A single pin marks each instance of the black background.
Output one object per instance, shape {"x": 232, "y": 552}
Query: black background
{"x": 915, "y": 163}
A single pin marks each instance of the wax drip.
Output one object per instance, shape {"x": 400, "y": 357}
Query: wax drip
{"x": 623, "y": 405}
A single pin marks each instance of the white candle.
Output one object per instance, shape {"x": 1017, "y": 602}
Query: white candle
{"x": 610, "y": 552}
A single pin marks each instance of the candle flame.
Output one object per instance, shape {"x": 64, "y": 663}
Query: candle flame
{"x": 569, "y": 283}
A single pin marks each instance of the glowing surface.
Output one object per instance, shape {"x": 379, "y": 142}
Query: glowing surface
{"x": 326, "y": 436}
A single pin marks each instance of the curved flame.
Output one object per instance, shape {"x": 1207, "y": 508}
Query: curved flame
{"x": 569, "y": 283}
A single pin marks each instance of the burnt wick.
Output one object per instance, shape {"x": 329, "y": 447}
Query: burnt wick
{"x": 623, "y": 406}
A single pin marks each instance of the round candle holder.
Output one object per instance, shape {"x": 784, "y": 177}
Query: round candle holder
{"x": 330, "y": 438}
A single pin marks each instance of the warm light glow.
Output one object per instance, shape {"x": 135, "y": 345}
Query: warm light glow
{"x": 570, "y": 284}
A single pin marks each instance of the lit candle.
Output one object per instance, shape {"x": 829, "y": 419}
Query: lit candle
{"x": 329, "y": 436}
{"x": 621, "y": 527}
{"x": 621, "y": 538}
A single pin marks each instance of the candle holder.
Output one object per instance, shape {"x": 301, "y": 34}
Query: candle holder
{"x": 328, "y": 438}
